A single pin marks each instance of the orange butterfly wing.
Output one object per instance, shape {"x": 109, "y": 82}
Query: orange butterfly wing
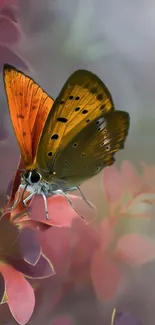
{"x": 29, "y": 107}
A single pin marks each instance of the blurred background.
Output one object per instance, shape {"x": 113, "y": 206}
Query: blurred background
{"x": 115, "y": 40}
{"x": 48, "y": 40}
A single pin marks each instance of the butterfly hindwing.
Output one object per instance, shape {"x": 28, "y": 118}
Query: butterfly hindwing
{"x": 29, "y": 107}
{"x": 83, "y": 99}
{"x": 92, "y": 149}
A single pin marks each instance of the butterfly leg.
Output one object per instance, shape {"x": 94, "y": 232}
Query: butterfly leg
{"x": 84, "y": 198}
{"x": 22, "y": 198}
{"x": 45, "y": 204}
{"x": 69, "y": 201}
{"x": 28, "y": 198}
{"x": 17, "y": 199}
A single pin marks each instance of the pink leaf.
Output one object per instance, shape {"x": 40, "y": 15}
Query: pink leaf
{"x": 9, "y": 31}
{"x": 112, "y": 183}
{"x": 21, "y": 299}
{"x": 9, "y": 56}
{"x": 135, "y": 249}
{"x": 8, "y": 12}
{"x": 105, "y": 276}
{"x": 5, "y": 2}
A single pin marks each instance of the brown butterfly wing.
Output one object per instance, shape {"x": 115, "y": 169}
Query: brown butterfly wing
{"x": 83, "y": 98}
{"x": 93, "y": 148}
{"x": 29, "y": 107}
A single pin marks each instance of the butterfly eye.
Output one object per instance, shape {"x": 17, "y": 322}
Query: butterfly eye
{"x": 83, "y": 154}
{"x": 75, "y": 145}
{"x": 34, "y": 177}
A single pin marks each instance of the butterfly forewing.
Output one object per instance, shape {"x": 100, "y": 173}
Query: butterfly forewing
{"x": 83, "y": 98}
{"x": 29, "y": 106}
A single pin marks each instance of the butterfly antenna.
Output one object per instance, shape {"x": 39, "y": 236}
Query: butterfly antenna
{"x": 70, "y": 202}
{"x": 84, "y": 198}
{"x": 8, "y": 170}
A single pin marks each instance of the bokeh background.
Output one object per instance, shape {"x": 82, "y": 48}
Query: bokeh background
{"x": 49, "y": 39}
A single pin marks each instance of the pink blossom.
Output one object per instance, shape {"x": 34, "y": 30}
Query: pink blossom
{"x": 126, "y": 191}
{"x": 127, "y": 196}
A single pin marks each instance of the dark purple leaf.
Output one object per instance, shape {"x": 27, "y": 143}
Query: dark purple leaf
{"x": 30, "y": 246}
{"x": 43, "y": 268}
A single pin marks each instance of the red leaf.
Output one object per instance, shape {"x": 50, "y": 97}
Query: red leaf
{"x": 15, "y": 185}
{"x": 21, "y": 299}
{"x": 135, "y": 249}
{"x": 105, "y": 276}
{"x": 60, "y": 212}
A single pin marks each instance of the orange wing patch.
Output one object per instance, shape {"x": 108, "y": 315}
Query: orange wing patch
{"x": 29, "y": 107}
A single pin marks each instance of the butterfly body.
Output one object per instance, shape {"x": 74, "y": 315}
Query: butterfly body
{"x": 66, "y": 142}
{"x": 36, "y": 184}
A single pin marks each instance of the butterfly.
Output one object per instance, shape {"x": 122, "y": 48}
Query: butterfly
{"x": 66, "y": 141}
